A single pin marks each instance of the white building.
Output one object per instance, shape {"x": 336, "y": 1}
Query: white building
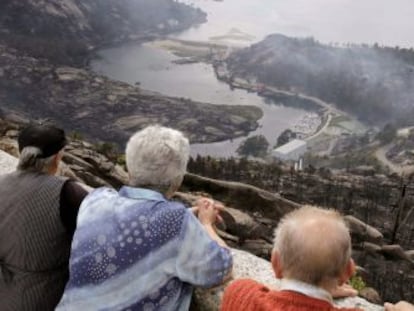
{"x": 292, "y": 151}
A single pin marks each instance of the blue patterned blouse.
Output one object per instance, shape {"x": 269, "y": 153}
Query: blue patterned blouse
{"x": 134, "y": 250}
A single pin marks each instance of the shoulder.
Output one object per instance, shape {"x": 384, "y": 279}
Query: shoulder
{"x": 45, "y": 182}
{"x": 173, "y": 205}
{"x": 243, "y": 288}
{"x": 245, "y": 285}
{"x": 73, "y": 188}
{"x": 240, "y": 293}
{"x": 169, "y": 214}
{"x": 97, "y": 203}
{"x": 100, "y": 194}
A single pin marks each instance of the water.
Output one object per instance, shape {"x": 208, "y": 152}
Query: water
{"x": 243, "y": 22}
{"x": 357, "y": 21}
{"x": 154, "y": 69}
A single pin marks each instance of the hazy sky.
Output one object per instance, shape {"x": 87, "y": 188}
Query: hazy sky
{"x": 389, "y": 22}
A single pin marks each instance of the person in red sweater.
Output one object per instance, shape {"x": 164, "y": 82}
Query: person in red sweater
{"x": 311, "y": 256}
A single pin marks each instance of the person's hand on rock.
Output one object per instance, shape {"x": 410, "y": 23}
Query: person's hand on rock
{"x": 207, "y": 210}
{"x": 343, "y": 291}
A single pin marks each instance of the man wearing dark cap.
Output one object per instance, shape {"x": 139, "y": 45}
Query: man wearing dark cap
{"x": 37, "y": 220}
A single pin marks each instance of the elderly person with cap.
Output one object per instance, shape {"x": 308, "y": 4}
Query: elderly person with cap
{"x": 311, "y": 256}
{"x": 136, "y": 249}
{"x": 37, "y": 220}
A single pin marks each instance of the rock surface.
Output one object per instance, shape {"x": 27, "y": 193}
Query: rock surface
{"x": 245, "y": 266}
{"x": 362, "y": 231}
{"x": 241, "y": 196}
{"x": 66, "y": 29}
{"x": 7, "y": 163}
{"x": 368, "y": 242}
{"x": 46, "y": 45}
{"x": 81, "y": 160}
{"x": 99, "y": 108}
{"x": 249, "y": 221}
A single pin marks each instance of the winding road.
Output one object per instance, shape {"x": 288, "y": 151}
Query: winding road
{"x": 381, "y": 153}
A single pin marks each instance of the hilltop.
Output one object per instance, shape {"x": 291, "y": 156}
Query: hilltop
{"x": 65, "y": 31}
{"x": 373, "y": 83}
{"x": 364, "y": 93}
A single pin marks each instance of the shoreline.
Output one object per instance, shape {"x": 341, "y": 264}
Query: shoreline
{"x": 189, "y": 52}
{"x": 215, "y": 54}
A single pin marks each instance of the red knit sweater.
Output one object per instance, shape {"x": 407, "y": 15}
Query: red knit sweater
{"x": 248, "y": 295}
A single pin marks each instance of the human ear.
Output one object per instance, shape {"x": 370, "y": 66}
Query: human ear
{"x": 277, "y": 265}
{"x": 348, "y": 272}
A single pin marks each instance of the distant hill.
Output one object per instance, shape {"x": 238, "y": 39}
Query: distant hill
{"x": 374, "y": 83}
{"x": 69, "y": 28}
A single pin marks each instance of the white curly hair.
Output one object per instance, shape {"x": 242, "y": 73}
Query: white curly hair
{"x": 157, "y": 157}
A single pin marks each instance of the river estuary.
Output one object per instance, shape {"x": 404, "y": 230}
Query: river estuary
{"x": 243, "y": 22}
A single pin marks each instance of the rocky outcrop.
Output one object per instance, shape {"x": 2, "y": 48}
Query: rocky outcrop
{"x": 81, "y": 160}
{"x": 241, "y": 196}
{"x": 65, "y": 30}
{"x": 249, "y": 266}
{"x": 7, "y": 163}
{"x": 246, "y": 265}
{"x": 380, "y": 261}
{"x": 99, "y": 108}
{"x": 42, "y": 41}
{"x": 395, "y": 251}
{"x": 362, "y": 231}
{"x": 410, "y": 254}
{"x": 250, "y": 217}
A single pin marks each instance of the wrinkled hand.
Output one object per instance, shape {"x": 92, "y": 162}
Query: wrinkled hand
{"x": 343, "y": 291}
{"x": 207, "y": 210}
{"x": 401, "y": 306}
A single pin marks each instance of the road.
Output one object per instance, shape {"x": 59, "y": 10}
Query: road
{"x": 380, "y": 154}
{"x": 330, "y": 110}
{"x": 321, "y": 130}
{"x": 329, "y": 107}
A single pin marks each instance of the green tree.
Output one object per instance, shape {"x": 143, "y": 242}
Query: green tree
{"x": 285, "y": 137}
{"x": 255, "y": 146}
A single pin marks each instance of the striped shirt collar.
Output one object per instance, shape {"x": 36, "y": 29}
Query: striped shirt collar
{"x": 306, "y": 289}
{"x": 141, "y": 194}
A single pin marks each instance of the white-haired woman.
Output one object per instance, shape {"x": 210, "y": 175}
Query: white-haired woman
{"x": 135, "y": 249}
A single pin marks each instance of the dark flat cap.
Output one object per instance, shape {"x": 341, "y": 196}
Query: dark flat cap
{"x": 48, "y": 138}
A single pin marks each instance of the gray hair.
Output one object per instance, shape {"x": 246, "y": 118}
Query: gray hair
{"x": 314, "y": 245}
{"x": 29, "y": 160}
{"x": 157, "y": 157}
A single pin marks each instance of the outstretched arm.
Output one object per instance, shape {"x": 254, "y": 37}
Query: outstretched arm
{"x": 204, "y": 258}
{"x": 345, "y": 290}
{"x": 208, "y": 213}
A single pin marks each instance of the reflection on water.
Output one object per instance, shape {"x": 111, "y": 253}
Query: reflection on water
{"x": 153, "y": 68}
